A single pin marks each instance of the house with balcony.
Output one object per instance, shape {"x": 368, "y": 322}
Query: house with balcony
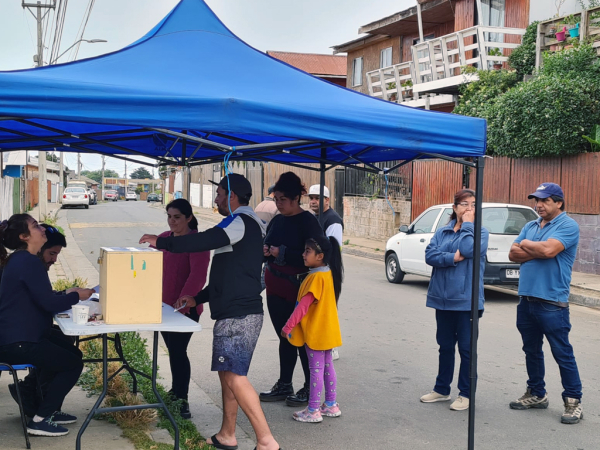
{"x": 417, "y": 57}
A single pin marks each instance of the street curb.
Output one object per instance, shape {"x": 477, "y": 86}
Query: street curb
{"x": 363, "y": 253}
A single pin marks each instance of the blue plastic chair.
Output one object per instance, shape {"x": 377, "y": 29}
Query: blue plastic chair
{"x": 4, "y": 367}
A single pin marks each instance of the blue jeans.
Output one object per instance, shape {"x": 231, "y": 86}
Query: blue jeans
{"x": 453, "y": 327}
{"x": 534, "y": 321}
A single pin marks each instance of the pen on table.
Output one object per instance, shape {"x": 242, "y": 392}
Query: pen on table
{"x": 181, "y": 307}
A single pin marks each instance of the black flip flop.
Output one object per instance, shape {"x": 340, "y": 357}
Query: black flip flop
{"x": 217, "y": 444}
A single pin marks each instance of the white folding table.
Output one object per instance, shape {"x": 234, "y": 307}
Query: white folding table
{"x": 171, "y": 321}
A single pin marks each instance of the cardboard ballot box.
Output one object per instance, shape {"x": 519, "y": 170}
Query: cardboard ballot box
{"x": 131, "y": 285}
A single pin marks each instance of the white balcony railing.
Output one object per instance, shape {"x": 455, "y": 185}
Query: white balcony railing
{"x": 437, "y": 63}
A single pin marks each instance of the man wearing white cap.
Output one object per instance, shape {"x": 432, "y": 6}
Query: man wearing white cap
{"x": 333, "y": 225}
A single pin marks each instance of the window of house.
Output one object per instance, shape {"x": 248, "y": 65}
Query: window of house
{"x": 386, "y": 58}
{"x": 357, "y": 69}
{"x": 426, "y": 38}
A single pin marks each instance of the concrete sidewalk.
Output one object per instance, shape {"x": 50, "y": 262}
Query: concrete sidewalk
{"x": 100, "y": 434}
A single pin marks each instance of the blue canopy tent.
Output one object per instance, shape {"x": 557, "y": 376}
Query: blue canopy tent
{"x": 191, "y": 92}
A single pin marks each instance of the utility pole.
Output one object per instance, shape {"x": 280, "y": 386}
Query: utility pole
{"x": 79, "y": 166}
{"x": 102, "y": 179}
{"x": 61, "y": 176}
{"x": 39, "y": 60}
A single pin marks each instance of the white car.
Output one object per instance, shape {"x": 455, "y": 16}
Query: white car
{"x": 405, "y": 251}
{"x": 75, "y": 196}
{"x": 130, "y": 196}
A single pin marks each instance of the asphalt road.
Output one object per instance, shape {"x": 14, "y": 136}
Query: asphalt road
{"x": 389, "y": 359}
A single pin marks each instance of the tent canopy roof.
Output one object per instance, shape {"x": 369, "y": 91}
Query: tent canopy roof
{"x": 190, "y": 88}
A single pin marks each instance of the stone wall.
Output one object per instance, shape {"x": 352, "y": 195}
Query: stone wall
{"x": 374, "y": 219}
{"x": 588, "y": 252}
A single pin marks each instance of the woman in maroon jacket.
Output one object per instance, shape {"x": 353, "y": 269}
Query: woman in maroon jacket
{"x": 183, "y": 274}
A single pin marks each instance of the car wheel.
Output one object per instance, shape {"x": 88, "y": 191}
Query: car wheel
{"x": 392, "y": 269}
{"x": 87, "y": 206}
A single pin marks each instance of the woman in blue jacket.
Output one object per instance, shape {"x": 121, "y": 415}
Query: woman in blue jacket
{"x": 27, "y": 305}
{"x": 450, "y": 253}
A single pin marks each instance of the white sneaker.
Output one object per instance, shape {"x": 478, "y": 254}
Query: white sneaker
{"x": 335, "y": 354}
{"x": 460, "y": 404}
{"x": 434, "y": 397}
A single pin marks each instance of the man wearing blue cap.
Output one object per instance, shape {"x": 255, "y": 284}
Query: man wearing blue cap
{"x": 546, "y": 250}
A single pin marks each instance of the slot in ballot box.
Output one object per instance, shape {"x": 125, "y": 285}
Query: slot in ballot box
{"x": 131, "y": 285}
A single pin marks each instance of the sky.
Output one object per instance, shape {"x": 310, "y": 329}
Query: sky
{"x": 307, "y": 26}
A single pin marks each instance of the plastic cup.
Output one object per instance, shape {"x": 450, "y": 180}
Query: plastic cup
{"x": 81, "y": 314}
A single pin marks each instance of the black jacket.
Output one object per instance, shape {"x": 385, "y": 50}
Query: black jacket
{"x": 234, "y": 285}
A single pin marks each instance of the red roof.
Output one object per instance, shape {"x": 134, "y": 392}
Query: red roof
{"x": 315, "y": 64}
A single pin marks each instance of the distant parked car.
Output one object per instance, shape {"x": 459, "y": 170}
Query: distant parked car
{"x": 130, "y": 196}
{"x": 93, "y": 197}
{"x": 152, "y": 198}
{"x": 111, "y": 195}
{"x": 405, "y": 251}
{"x": 75, "y": 196}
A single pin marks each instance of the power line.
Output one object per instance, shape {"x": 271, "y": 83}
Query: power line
{"x": 82, "y": 26}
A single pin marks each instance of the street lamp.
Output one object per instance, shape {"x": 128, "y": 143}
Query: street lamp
{"x": 90, "y": 41}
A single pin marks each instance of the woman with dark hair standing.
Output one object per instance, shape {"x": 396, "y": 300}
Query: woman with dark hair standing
{"x": 450, "y": 253}
{"x": 183, "y": 274}
{"x": 27, "y": 305}
{"x": 284, "y": 245}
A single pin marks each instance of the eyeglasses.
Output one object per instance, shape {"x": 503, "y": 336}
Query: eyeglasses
{"x": 51, "y": 230}
{"x": 467, "y": 204}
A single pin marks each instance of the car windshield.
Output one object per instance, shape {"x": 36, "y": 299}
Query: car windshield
{"x": 74, "y": 191}
{"x": 507, "y": 220}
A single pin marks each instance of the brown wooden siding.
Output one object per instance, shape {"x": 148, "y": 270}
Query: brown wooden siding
{"x": 579, "y": 176}
{"x": 434, "y": 182}
{"x": 371, "y": 60}
{"x": 516, "y": 16}
{"x": 527, "y": 174}
{"x": 580, "y": 181}
{"x": 437, "y": 31}
{"x": 496, "y": 180}
{"x": 464, "y": 17}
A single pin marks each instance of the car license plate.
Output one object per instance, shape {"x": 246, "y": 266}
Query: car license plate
{"x": 512, "y": 273}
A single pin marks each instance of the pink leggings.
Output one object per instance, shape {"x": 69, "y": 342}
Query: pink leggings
{"x": 322, "y": 375}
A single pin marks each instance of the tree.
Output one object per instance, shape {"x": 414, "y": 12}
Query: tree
{"x": 52, "y": 157}
{"x": 141, "y": 173}
{"x": 96, "y": 175}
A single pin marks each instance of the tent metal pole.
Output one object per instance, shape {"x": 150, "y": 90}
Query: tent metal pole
{"x": 88, "y": 140}
{"x": 349, "y": 158}
{"x": 372, "y": 166}
{"x": 209, "y": 143}
{"x": 322, "y": 187}
{"x": 479, "y": 166}
{"x": 448, "y": 158}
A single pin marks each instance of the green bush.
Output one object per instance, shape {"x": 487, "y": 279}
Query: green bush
{"x": 478, "y": 97}
{"x": 522, "y": 58}
{"x": 544, "y": 117}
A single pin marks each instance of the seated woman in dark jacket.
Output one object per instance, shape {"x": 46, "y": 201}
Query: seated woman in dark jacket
{"x": 450, "y": 253}
{"x": 27, "y": 305}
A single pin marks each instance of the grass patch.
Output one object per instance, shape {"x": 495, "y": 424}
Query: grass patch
{"x": 136, "y": 423}
{"x": 347, "y": 241}
{"x": 63, "y": 285}
{"x": 52, "y": 220}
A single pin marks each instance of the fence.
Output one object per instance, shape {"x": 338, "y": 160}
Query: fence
{"x": 7, "y": 186}
{"x": 366, "y": 184}
{"x": 509, "y": 180}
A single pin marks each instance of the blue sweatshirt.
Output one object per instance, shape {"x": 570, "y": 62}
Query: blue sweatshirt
{"x": 450, "y": 285}
{"x": 27, "y": 302}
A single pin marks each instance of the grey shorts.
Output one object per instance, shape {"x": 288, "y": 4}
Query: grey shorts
{"x": 234, "y": 341}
